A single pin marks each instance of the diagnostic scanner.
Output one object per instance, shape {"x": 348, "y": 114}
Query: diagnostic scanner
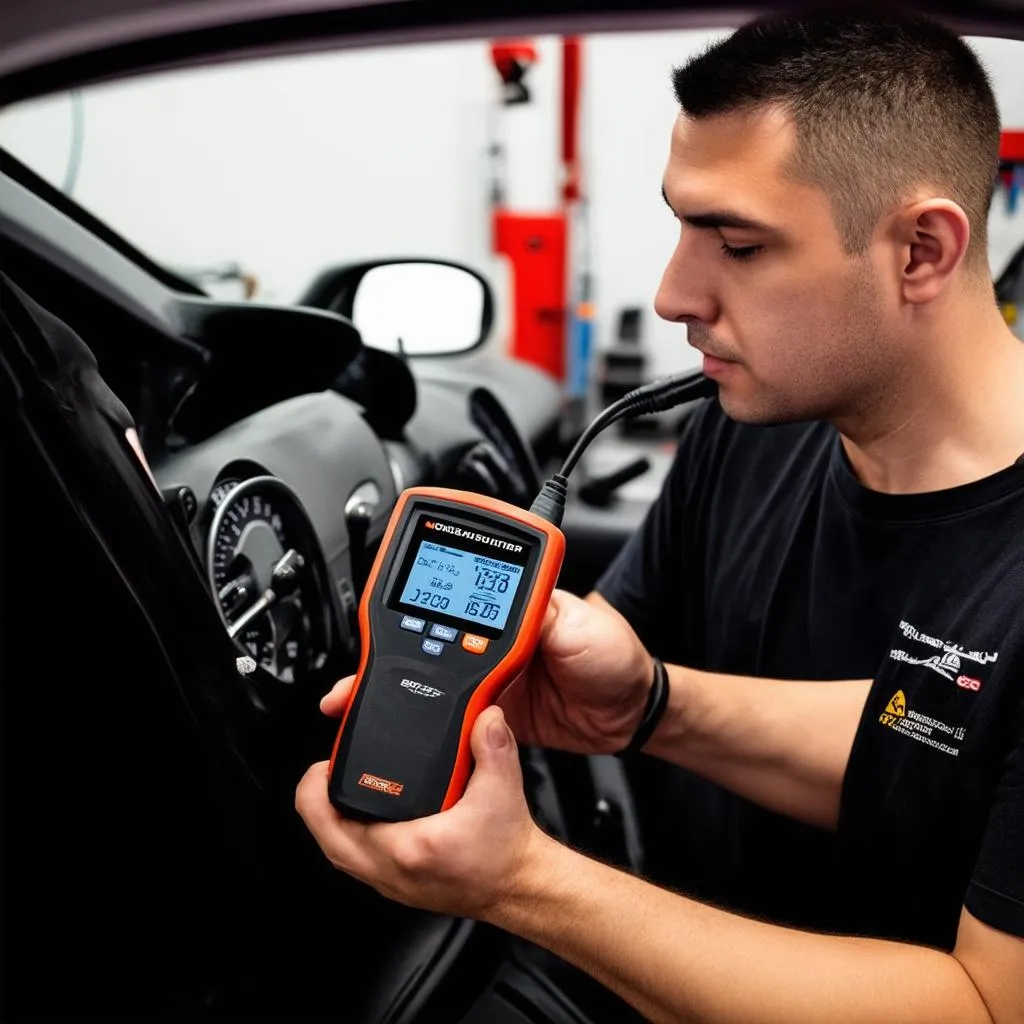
{"x": 450, "y": 616}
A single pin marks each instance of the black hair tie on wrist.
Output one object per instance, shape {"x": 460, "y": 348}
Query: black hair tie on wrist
{"x": 657, "y": 701}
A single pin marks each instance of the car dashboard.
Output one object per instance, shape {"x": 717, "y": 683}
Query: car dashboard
{"x": 309, "y": 475}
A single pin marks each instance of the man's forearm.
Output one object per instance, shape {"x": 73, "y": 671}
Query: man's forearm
{"x": 678, "y": 960}
{"x": 781, "y": 744}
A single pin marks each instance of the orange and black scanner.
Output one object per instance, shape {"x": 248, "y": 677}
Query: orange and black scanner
{"x": 450, "y": 616}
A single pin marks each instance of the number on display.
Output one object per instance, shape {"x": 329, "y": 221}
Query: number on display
{"x": 489, "y": 579}
{"x": 485, "y": 610}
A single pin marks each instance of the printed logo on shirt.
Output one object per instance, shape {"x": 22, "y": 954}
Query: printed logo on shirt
{"x": 897, "y": 706}
{"x": 947, "y": 663}
{"x": 922, "y": 728}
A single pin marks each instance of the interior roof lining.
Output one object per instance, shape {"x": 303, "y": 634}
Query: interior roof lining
{"x": 316, "y": 27}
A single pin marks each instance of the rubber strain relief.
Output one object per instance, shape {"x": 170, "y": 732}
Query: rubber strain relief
{"x": 550, "y": 503}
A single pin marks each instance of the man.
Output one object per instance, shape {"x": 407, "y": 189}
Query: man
{"x": 851, "y": 510}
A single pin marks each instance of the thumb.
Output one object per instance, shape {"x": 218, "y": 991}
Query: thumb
{"x": 495, "y": 755}
{"x": 335, "y": 701}
{"x": 565, "y": 630}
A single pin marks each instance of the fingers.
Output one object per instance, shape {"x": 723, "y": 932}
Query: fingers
{"x": 457, "y": 862}
{"x": 496, "y": 760}
{"x": 343, "y": 841}
{"x": 334, "y": 702}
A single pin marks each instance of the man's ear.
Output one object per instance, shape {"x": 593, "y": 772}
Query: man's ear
{"x": 931, "y": 238}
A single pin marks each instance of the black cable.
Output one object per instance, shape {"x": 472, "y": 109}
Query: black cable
{"x": 657, "y": 396}
{"x": 661, "y": 394}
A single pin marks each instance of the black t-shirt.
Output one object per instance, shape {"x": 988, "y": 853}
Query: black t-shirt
{"x": 764, "y": 556}
{"x": 59, "y": 356}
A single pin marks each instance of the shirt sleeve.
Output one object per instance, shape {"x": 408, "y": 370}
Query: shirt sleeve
{"x": 58, "y": 354}
{"x": 996, "y": 892}
{"x": 641, "y": 581}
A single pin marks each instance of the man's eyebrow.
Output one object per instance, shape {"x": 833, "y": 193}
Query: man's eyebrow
{"x": 717, "y": 218}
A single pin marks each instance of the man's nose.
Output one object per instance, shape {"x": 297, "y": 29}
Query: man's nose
{"x": 685, "y": 294}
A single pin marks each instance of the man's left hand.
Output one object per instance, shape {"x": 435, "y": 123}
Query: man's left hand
{"x": 462, "y": 861}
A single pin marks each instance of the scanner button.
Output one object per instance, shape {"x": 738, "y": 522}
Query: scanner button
{"x": 432, "y": 647}
{"x": 474, "y": 644}
{"x": 439, "y": 632}
{"x": 411, "y": 623}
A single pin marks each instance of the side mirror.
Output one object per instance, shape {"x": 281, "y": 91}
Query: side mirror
{"x": 415, "y": 307}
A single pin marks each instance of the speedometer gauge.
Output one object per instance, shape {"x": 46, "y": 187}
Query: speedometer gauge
{"x": 255, "y": 525}
{"x": 221, "y": 491}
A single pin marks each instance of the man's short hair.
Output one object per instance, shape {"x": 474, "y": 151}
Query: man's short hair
{"x": 883, "y": 105}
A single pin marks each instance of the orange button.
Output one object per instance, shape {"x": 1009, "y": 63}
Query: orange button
{"x": 474, "y": 644}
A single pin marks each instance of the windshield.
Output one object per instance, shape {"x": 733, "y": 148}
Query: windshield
{"x": 253, "y": 178}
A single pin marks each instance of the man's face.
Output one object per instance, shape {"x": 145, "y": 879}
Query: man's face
{"x": 791, "y": 327}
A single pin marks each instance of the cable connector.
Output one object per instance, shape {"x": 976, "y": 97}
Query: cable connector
{"x": 550, "y": 502}
{"x": 666, "y": 393}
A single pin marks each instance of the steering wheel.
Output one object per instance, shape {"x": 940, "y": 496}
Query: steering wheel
{"x": 504, "y": 462}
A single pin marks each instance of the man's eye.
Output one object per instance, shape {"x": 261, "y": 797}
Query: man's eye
{"x": 745, "y": 252}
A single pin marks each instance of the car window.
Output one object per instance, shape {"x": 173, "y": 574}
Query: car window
{"x": 251, "y": 178}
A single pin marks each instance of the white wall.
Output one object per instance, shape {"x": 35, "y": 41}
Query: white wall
{"x": 294, "y": 164}
{"x": 290, "y": 165}
{"x": 630, "y": 113}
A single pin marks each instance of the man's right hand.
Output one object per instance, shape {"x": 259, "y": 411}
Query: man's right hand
{"x": 587, "y": 685}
